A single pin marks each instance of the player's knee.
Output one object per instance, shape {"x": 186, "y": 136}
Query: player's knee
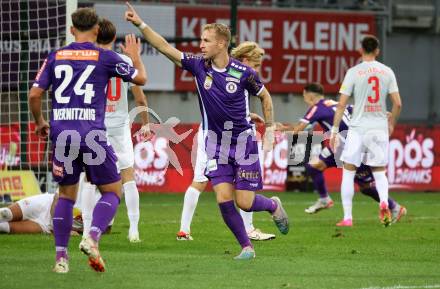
{"x": 313, "y": 168}
{"x": 243, "y": 204}
{"x": 5, "y": 215}
{"x": 200, "y": 186}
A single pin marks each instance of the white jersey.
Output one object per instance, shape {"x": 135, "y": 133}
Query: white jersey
{"x": 369, "y": 82}
{"x": 116, "y": 113}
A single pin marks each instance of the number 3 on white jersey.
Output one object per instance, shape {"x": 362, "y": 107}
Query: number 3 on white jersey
{"x": 88, "y": 91}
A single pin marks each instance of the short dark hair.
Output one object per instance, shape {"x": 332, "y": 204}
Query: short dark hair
{"x": 370, "y": 43}
{"x": 84, "y": 19}
{"x": 106, "y": 32}
{"x": 314, "y": 87}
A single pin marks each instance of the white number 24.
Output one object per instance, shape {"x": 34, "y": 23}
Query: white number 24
{"x": 88, "y": 91}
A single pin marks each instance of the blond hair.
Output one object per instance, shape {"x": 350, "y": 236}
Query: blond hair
{"x": 249, "y": 50}
{"x": 221, "y": 30}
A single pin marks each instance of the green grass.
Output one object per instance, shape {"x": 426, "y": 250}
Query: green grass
{"x": 313, "y": 255}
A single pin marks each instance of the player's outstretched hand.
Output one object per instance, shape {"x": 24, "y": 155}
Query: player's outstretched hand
{"x": 144, "y": 133}
{"x": 256, "y": 118}
{"x": 280, "y": 127}
{"x": 132, "y": 46}
{"x": 132, "y": 16}
{"x": 42, "y": 129}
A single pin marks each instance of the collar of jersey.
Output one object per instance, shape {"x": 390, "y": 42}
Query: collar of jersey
{"x": 221, "y": 69}
{"x": 84, "y": 44}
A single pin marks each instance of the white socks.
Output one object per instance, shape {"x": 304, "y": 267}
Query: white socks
{"x": 88, "y": 202}
{"x": 247, "y": 220}
{"x": 381, "y": 185}
{"x": 4, "y": 227}
{"x": 5, "y": 215}
{"x": 189, "y": 206}
{"x": 347, "y": 192}
{"x": 131, "y": 194}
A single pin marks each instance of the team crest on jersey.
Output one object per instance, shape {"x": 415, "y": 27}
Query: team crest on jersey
{"x": 231, "y": 87}
{"x": 208, "y": 82}
{"x": 122, "y": 68}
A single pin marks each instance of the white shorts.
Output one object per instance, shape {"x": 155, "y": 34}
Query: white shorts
{"x": 369, "y": 147}
{"x": 120, "y": 139}
{"x": 37, "y": 209}
{"x": 201, "y": 159}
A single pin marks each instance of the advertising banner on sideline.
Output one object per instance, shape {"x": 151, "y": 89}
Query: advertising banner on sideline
{"x": 300, "y": 46}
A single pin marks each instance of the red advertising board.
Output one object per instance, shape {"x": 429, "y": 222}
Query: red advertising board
{"x": 300, "y": 46}
{"x": 414, "y": 160}
{"x": 156, "y": 173}
{"x": 414, "y": 163}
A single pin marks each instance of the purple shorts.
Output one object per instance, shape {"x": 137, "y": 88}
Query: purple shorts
{"x": 364, "y": 175}
{"x": 239, "y": 166}
{"x": 100, "y": 167}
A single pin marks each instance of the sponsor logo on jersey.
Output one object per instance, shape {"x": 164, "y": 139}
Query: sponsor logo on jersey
{"x": 208, "y": 82}
{"x": 231, "y": 87}
{"x": 123, "y": 68}
{"x": 233, "y": 79}
{"x": 234, "y": 73}
{"x": 77, "y": 55}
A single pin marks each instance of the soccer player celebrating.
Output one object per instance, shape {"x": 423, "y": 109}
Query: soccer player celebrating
{"x": 370, "y": 82}
{"x": 118, "y": 132}
{"x": 79, "y": 74}
{"x": 224, "y": 85}
{"x": 322, "y": 111}
{"x": 250, "y": 54}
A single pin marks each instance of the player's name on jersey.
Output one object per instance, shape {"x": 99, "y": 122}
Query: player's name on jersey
{"x": 372, "y": 108}
{"x": 74, "y": 114}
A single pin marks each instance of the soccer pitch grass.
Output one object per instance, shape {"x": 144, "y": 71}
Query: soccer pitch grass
{"x": 315, "y": 254}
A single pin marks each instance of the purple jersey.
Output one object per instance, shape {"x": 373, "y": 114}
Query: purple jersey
{"x": 323, "y": 112}
{"x": 224, "y": 94}
{"x": 79, "y": 75}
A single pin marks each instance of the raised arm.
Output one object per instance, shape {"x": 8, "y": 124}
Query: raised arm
{"x": 152, "y": 37}
{"x": 132, "y": 48}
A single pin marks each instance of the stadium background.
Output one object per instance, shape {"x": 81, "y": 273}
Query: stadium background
{"x": 304, "y": 41}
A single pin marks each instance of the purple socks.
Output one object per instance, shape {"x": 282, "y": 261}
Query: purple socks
{"x": 318, "y": 181}
{"x": 261, "y": 203}
{"x": 103, "y": 213}
{"x": 235, "y": 223}
{"x": 62, "y": 224}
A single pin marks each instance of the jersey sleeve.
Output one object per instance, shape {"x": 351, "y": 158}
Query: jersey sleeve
{"x": 190, "y": 62}
{"x": 43, "y": 79}
{"x": 348, "y": 83}
{"x": 393, "y": 83}
{"x": 311, "y": 115}
{"x": 118, "y": 67}
{"x": 253, "y": 83}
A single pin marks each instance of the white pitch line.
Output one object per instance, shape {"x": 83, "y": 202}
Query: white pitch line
{"x": 406, "y": 287}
